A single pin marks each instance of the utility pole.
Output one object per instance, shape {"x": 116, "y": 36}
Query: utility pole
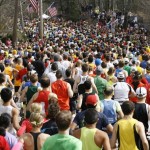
{"x": 14, "y": 40}
{"x": 21, "y": 13}
{"x": 41, "y": 19}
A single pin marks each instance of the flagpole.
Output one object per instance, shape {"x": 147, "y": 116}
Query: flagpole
{"x": 41, "y": 18}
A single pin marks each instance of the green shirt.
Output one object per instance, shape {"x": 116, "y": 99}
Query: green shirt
{"x": 127, "y": 68}
{"x": 62, "y": 142}
{"x": 101, "y": 85}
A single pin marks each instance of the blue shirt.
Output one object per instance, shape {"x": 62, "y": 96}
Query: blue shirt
{"x": 102, "y": 122}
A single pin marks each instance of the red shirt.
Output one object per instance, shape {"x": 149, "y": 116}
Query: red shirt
{"x": 21, "y": 73}
{"x": 3, "y": 144}
{"x": 43, "y": 96}
{"x": 134, "y": 99}
{"x": 129, "y": 80}
{"x": 148, "y": 94}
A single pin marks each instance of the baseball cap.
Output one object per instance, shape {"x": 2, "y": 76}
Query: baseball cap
{"x": 33, "y": 72}
{"x": 97, "y": 61}
{"x": 133, "y": 69}
{"x": 120, "y": 75}
{"x": 116, "y": 62}
{"x": 91, "y": 100}
{"x": 130, "y": 55}
{"x": 2, "y": 51}
{"x": 141, "y": 92}
{"x": 126, "y": 60}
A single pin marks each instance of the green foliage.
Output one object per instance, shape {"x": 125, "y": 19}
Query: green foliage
{"x": 72, "y": 10}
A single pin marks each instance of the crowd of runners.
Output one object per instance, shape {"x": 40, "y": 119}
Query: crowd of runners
{"x": 82, "y": 87}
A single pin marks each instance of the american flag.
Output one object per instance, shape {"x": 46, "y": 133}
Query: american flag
{"x": 34, "y": 4}
{"x": 52, "y": 11}
{"x": 30, "y": 9}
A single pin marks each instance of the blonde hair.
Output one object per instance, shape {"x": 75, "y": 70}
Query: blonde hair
{"x": 36, "y": 108}
{"x": 53, "y": 99}
{"x": 36, "y": 119}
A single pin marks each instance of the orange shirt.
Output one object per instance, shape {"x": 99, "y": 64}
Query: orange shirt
{"x": 59, "y": 87}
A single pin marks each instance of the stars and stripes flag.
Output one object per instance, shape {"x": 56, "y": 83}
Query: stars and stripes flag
{"x": 52, "y": 11}
{"x": 34, "y": 4}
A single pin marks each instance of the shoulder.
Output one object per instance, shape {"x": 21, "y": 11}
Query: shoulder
{"x": 43, "y": 136}
{"x": 75, "y": 139}
{"x": 27, "y": 138}
{"x": 100, "y": 134}
{"x": 15, "y": 111}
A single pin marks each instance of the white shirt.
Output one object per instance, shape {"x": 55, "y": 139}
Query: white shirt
{"x": 52, "y": 77}
{"x": 121, "y": 91}
{"x": 66, "y": 64}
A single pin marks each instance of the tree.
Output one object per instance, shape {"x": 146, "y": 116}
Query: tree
{"x": 71, "y": 9}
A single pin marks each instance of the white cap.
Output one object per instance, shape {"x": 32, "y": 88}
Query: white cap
{"x": 120, "y": 75}
{"x": 133, "y": 69}
{"x": 130, "y": 55}
{"x": 141, "y": 92}
{"x": 116, "y": 62}
{"x": 126, "y": 60}
{"x": 137, "y": 62}
{"x": 33, "y": 72}
{"x": 2, "y": 51}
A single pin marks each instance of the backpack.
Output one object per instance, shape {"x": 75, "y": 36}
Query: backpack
{"x": 81, "y": 87}
{"x": 108, "y": 110}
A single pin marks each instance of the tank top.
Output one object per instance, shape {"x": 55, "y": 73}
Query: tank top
{"x": 35, "y": 137}
{"x": 43, "y": 99}
{"x": 87, "y": 138}
{"x": 8, "y": 110}
{"x": 141, "y": 114}
{"x": 110, "y": 80}
{"x": 85, "y": 95}
{"x": 59, "y": 87}
{"x": 31, "y": 91}
{"x": 126, "y": 134}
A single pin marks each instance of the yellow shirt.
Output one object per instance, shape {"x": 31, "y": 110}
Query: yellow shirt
{"x": 139, "y": 69}
{"x": 9, "y": 71}
{"x": 126, "y": 134}
{"x": 18, "y": 82}
{"x": 87, "y": 138}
